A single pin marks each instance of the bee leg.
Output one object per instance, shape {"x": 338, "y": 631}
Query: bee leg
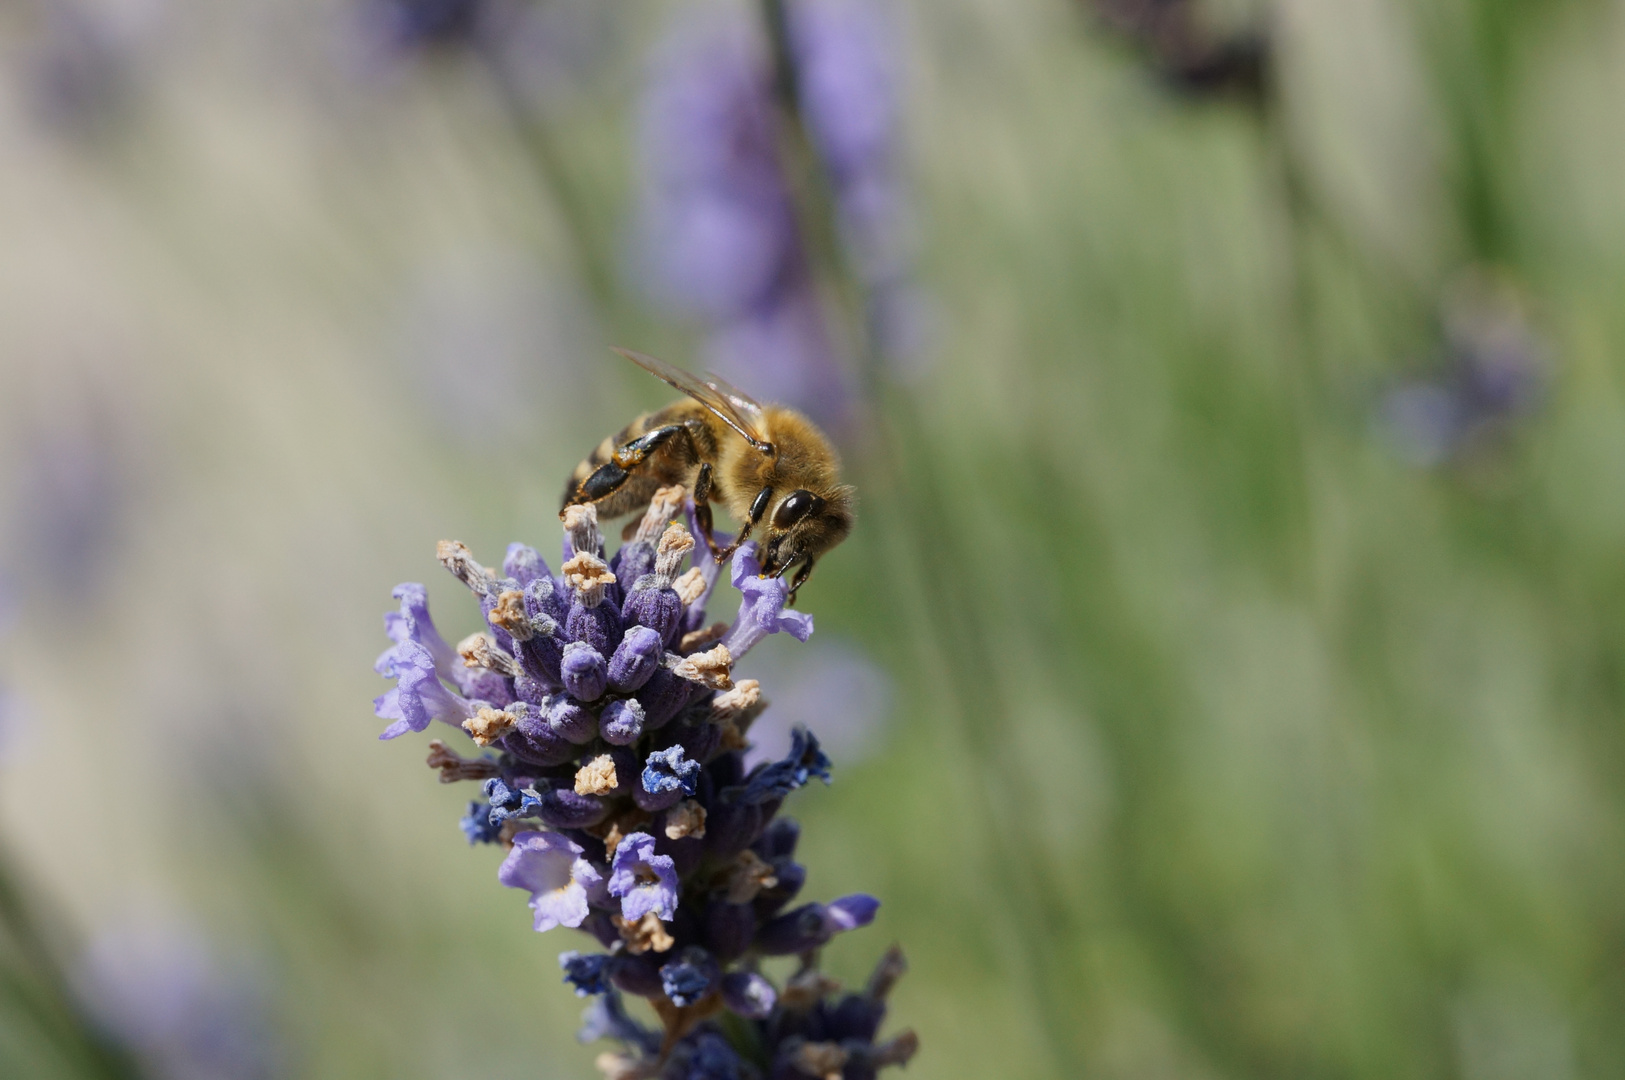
{"x": 605, "y": 480}
{"x": 702, "y": 516}
{"x": 799, "y": 580}
{"x": 702, "y": 509}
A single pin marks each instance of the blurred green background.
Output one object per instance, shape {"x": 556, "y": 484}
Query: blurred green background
{"x": 1230, "y": 734}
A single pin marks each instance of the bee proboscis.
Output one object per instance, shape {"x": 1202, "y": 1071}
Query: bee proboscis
{"x": 767, "y": 464}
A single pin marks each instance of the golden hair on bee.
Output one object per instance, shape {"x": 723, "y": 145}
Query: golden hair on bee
{"x": 770, "y": 466}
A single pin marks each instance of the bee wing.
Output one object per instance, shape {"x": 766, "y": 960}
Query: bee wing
{"x": 740, "y": 400}
{"x": 730, "y": 406}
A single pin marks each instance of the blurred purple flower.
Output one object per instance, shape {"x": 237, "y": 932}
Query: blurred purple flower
{"x": 717, "y": 229}
{"x": 85, "y": 67}
{"x": 405, "y": 25}
{"x": 1494, "y": 372}
{"x": 161, "y": 989}
{"x": 73, "y": 493}
{"x": 830, "y": 686}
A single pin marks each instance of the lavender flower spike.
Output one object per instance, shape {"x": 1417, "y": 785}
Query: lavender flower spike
{"x": 623, "y": 793}
{"x": 645, "y": 882}
{"x": 559, "y": 880}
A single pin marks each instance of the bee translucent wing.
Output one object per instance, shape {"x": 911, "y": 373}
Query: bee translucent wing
{"x": 732, "y": 408}
{"x": 740, "y": 400}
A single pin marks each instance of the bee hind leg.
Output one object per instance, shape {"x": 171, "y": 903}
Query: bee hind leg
{"x": 608, "y": 477}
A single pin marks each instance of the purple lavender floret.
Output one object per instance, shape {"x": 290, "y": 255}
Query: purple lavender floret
{"x": 418, "y": 696}
{"x": 559, "y": 880}
{"x": 619, "y": 790}
{"x": 644, "y": 881}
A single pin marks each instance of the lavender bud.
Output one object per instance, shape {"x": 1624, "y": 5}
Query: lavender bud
{"x": 638, "y": 975}
{"x": 656, "y": 606}
{"x": 728, "y": 929}
{"x": 590, "y": 620}
{"x": 856, "y": 1017}
{"x": 524, "y": 564}
{"x": 778, "y": 840}
{"x": 663, "y": 697}
{"x": 794, "y": 932}
{"x": 571, "y": 720}
{"x": 531, "y": 691}
{"x": 699, "y": 740}
{"x": 622, "y": 723}
{"x": 544, "y": 597}
{"x": 656, "y": 801}
{"x": 636, "y": 658}
{"x": 533, "y": 740}
{"x": 748, "y": 994}
{"x": 791, "y": 876}
{"x": 598, "y": 626}
{"x": 730, "y": 827}
{"x": 584, "y": 671}
{"x": 562, "y": 808}
{"x": 635, "y": 559}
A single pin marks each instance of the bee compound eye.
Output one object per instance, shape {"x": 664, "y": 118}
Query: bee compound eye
{"x": 796, "y": 505}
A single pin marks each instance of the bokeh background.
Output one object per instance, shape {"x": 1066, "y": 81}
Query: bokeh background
{"x": 1227, "y": 676}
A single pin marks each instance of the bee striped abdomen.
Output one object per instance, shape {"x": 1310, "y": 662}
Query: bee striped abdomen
{"x": 620, "y": 476}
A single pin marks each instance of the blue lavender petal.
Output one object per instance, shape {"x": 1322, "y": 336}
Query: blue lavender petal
{"x": 587, "y": 972}
{"x": 778, "y": 779}
{"x": 477, "y": 826}
{"x": 689, "y": 978}
{"x": 670, "y": 770}
{"x": 606, "y": 1018}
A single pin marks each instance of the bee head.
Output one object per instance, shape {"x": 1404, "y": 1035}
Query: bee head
{"x": 801, "y": 524}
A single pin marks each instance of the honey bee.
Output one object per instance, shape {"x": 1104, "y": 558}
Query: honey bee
{"x": 768, "y": 465}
